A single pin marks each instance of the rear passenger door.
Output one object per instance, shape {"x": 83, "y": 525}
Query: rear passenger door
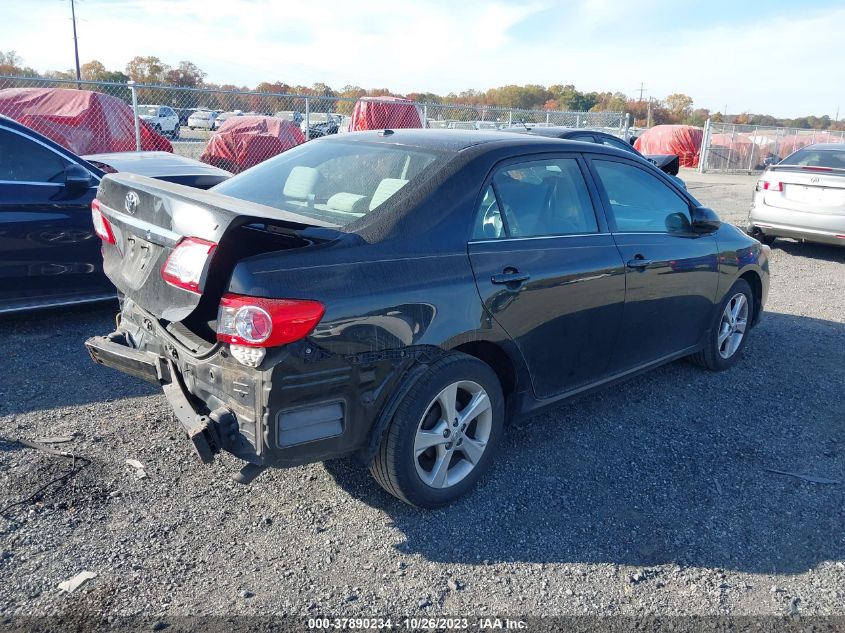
{"x": 671, "y": 272}
{"x": 548, "y": 271}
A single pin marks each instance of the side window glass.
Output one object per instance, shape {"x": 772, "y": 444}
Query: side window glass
{"x": 617, "y": 143}
{"x": 489, "y": 225}
{"x": 586, "y": 138}
{"x": 641, "y": 203}
{"x": 24, "y": 160}
{"x": 546, "y": 197}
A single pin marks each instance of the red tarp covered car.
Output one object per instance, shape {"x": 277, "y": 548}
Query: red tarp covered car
{"x": 244, "y": 141}
{"x": 384, "y": 113}
{"x": 83, "y": 121}
{"x": 682, "y": 140}
{"x": 788, "y": 144}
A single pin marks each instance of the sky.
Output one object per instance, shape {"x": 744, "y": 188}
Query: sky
{"x": 779, "y": 57}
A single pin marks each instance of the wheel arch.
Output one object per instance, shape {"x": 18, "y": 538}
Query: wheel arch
{"x": 497, "y": 359}
{"x": 753, "y": 279}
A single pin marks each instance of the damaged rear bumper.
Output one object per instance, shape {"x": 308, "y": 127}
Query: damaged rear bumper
{"x": 302, "y": 404}
{"x": 208, "y": 433}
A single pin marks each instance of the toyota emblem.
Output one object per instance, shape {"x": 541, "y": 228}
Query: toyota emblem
{"x": 131, "y": 202}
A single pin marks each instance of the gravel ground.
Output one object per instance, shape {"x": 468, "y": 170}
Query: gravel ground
{"x": 658, "y": 497}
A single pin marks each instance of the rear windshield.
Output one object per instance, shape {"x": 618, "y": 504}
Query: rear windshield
{"x": 809, "y": 157}
{"x": 334, "y": 182}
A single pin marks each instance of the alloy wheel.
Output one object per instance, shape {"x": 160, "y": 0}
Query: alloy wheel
{"x": 732, "y": 325}
{"x": 453, "y": 434}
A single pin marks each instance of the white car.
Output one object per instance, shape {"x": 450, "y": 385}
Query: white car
{"x": 202, "y": 120}
{"x": 227, "y": 115}
{"x": 162, "y": 118}
{"x": 802, "y": 197}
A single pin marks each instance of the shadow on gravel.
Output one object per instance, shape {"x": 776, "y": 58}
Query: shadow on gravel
{"x": 808, "y": 249}
{"x": 668, "y": 467}
{"x": 45, "y": 364}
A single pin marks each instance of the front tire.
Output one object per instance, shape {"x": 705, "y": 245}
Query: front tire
{"x": 444, "y": 433}
{"x": 729, "y": 333}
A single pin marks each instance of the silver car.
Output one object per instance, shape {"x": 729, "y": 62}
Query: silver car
{"x": 802, "y": 197}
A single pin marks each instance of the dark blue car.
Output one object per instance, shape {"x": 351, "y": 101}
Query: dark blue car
{"x": 49, "y": 254}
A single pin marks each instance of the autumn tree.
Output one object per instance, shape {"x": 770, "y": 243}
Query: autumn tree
{"x": 186, "y": 74}
{"x": 679, "y": 106}
{"x": 12, "y": 64}
{"x": 147, "y": 70}
{"x": 96, "y": 71}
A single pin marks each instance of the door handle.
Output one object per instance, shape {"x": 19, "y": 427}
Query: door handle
{"x": 638, "y": 262}
{"x": 510, "y": 276}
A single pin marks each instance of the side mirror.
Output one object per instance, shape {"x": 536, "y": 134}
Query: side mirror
{"x": 705, "y": 220}
{"x": 77, "y": 178}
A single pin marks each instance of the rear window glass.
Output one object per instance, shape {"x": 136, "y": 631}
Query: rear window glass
{"x": 334, "y": 182}
{"x": 833, "y": 158}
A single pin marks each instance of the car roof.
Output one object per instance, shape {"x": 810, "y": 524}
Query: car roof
{"x": 556, "y": 131}
{"x": 452, "y": 140}
{"x": 826, "y": 146}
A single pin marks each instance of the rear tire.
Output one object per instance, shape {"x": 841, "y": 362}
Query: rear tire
{"x": 761, "y": 237}
{"x": 733, "y": 318}
{"x": 427, "y": 461}
{"x": 175, "y": 133}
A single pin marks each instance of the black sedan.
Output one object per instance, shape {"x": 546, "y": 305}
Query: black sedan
{"x": 402, "y": 295}
{"x": 667, "y": 163}
{"x": 49, "y": 254}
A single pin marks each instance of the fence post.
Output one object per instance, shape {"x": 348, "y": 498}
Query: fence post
{"x": 753, "y": 147}
{"x": 705, "y": 148}
{"x": 730, "y": 148}
{"x": 307, "y": 120}
{"x": 626, "y": 130}
{"x": 131, "y": 85}
{"x": 425, "y": 115}
{"x": 510, "y": 118}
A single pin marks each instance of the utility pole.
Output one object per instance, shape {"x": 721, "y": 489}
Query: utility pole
{"x": 75, "y": 44}
{"x": 642, "y": 90}
{"x": 648, "y": 116}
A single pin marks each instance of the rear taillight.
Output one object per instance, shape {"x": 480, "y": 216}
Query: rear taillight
{"x": 102, "y": 227}
{"x": 770, "y": 185}
{"x": 185, "y": 265}
{"x": 257, "y": 322}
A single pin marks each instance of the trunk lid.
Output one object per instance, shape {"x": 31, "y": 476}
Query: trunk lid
{"x": 810, "y": 190}
{"x": 150, "y": 217}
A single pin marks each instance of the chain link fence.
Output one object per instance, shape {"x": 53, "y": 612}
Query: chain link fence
{"x": 235, "y": 129}
{"x": 729, "y": 147}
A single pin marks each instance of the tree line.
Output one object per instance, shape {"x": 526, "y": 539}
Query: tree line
{"x": 673, "y": 109}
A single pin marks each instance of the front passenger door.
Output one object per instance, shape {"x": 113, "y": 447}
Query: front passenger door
{"x": 671, "y": 272}
{"x": 548, "y": 271}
